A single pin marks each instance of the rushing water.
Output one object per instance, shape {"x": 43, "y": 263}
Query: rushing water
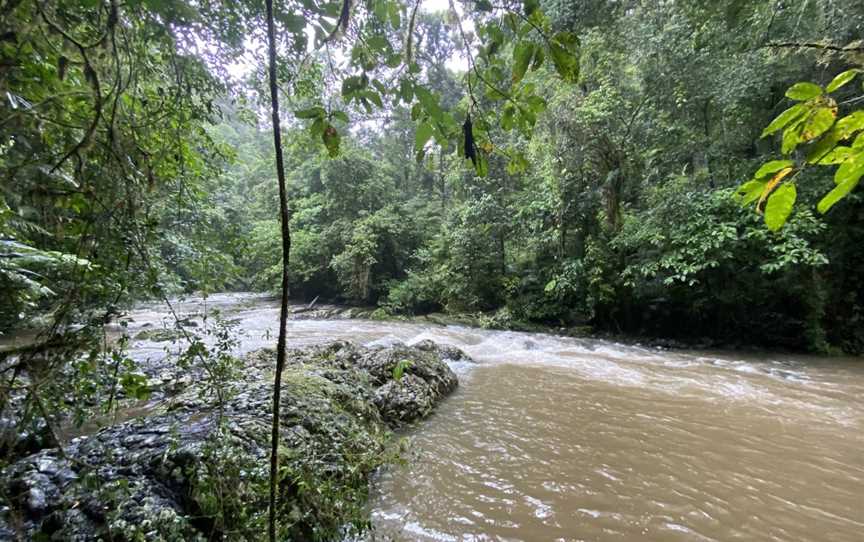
{"x": 551, "y": 438}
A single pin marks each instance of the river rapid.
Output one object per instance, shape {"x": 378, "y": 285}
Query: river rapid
{"x": 553, "y": 438}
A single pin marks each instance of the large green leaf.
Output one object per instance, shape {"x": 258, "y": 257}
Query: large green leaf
{"x": 837, "y": 155}
{"x": 851, "y": 168}
{"x": 842, "y": 79}
{"x": 750, "y": 191}
{"x": 850, "y": 124}
{"x": 422, "y": 136}
{"x": 311, "y": 113}
{"x": 791, "y": 138}
{"x": 563, "y": 48}
{"x": 779, "y": 206}
{"x": 839, "y": 192}
{"x": 772, "y": 167}
{"x": 803, "y": 91}
{"x": 785, "y": 118}
{"x": 522, "y": 53}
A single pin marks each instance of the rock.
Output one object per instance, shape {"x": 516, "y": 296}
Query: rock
{"x": 159, "y": 335}
{"x": 161, "y": 477}
{"x": 446, "y": 351}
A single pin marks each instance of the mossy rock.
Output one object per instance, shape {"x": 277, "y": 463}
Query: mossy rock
{"x": 189, "y": 473}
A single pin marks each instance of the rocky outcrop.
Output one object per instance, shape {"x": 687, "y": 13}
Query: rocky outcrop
{"x": 198, "y": 471}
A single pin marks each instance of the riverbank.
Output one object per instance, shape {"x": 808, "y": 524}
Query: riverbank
{"x": 195, "y": 467}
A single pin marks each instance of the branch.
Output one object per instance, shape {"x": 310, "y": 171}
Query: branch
{"x": 813, "y": 45}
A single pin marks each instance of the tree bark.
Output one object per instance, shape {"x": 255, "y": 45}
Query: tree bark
{"x": 286, "y": 250}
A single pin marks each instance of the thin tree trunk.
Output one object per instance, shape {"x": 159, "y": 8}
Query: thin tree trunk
{"x": 286, "y": 249}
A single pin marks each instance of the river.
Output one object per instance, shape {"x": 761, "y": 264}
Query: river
{"x": 552, "y": 438}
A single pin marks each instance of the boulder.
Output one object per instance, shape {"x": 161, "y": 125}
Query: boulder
{"x": 198, "y": 470}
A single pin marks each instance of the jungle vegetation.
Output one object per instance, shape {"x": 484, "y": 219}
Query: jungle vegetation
{"x": 607, "y": 143}
{"x": 653, "y": 168}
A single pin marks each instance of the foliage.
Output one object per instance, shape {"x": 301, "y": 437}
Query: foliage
{"x": 814, "y": 122}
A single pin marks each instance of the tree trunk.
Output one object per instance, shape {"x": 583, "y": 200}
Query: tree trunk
{"x": 286, "y": 250}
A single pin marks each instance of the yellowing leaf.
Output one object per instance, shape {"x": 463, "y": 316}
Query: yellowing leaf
{"x": 817, "y": 123}
{"x": 769, "y": 186}
{"x": 779, "y": 206}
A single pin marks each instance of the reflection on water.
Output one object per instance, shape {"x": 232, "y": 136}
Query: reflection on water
{"x": 550, "y": 438}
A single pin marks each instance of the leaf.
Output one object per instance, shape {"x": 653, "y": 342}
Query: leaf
{"x": 790, "y": 140}
{"x": 850, "y": 124}
{"x": 779, "y": 206}
{"x": 803, "y": 91}
{"x": 785, "y": 118}
{"x": 311, "y": 113}
{"x": 839, "y": 192}
{"x": 769, "y": 186}
{"x": 422, "y": 135}
{"x": 842, "y": 79}
{"x": 772, "y": 167}
{"x": 817, "y": 123}
{"x": 563, "y": 49}
{"x": 824, "y": 146}
{"x": 849, "y": 169}
{"x": 837, "y": 155}
{"x": 522, "y": 54}
{"x": 340, "y": 115}
{"x": 750, "y": 191}
{"x": 530, "y": 6}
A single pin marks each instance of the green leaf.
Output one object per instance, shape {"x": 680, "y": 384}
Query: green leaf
{"x": 563, "y": 49}
{"x": 790, "y": 140}
{"x": 522, "y": 54}
{"x": 837, "y": 155}
{"x": 839, "y": 192}
{"x": 311, "y": 113}
{"x": 772, "y": 167}
{"x": 842, "y": 79}
{"x": 750, "y": 192}
{"x": 785, "y": 118}
{"x": 803, "y": 91}
{"x": 850, "y": 169}
{"x": 824, "y": 146}
{"x": 481, "y": 167}
{"x": 550, "y": 286}
{"x": 421, "y": 137}
{"x": 779, "y": 206}
{"x": 340, "y": 115}
{"x": 850, "y": 124}
{"x": 817, "y": 123}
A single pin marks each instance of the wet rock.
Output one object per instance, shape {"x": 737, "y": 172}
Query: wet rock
{"x": 446, "y": 351}
{"x": 197, "y": 472}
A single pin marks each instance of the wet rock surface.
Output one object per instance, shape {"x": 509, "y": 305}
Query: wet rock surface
{"x": 193, "y": 470}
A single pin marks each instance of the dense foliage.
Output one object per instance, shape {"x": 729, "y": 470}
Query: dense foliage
{"x": 582, "y": 164}
{"x": 598, "y": 188}
{"x": 620, "y": 210}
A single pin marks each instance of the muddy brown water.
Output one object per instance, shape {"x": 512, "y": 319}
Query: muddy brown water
{"x": 551, "y": 438}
